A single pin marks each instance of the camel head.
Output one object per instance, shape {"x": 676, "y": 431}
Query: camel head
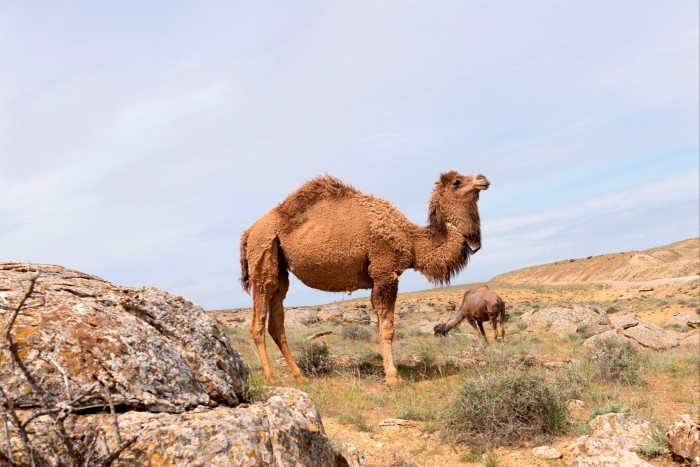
{"x": 440, "y": 330}
{"x": 453, "y": 205}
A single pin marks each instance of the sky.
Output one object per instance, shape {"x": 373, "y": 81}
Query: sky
{"x": 139, "y": 139}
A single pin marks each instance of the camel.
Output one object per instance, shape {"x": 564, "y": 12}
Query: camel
{"x": 334, "y": 238}
{"x": 478, "y": 305}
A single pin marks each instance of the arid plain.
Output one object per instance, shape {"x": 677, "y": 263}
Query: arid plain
{"x": 417, "y": 422}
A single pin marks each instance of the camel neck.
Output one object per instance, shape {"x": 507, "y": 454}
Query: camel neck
{"x": 439, "y": 254}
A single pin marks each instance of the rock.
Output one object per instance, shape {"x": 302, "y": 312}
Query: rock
{"x": 565, "y": 320}
{"x": 614, "y": 438}
{"x": 395, "y": 423}
{"x": 691, "y": 339}
{"x": 450, "y": 306}
{"x": 403, "y": 311}
{"x": 286, "y": 429}
{"x": 173, "y": 375}
{"x": 651, "y": 336}
{"x": 349, "y": 456}
{"x": 425, "y": 310}
{"x": 153, "y": 350}
{"x": 546, "y": 452}
{"x": 331, "y": 313}
{"x": 685, "y": 319}
{"x": 424, "y": 328}
{"x": 684, "y": 438}
{"x": 624, "y": 321}
{"x": 356, "y": 316}
{"x": 594, "y": 340}
{"x": 304, "y": 316}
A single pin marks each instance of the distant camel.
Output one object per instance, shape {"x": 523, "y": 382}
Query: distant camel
{"x": 335, "y": 238}
{"x": 478, "y": 305}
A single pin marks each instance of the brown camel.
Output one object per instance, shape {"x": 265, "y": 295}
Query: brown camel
{"x": 335, "y": 238}
{"x": 478, "y": 305}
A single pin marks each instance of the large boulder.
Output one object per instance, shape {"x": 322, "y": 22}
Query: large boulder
{"x": 684, "y": 438}
{"x": 563, "y": 320}
{"x": 331, "y": 314}
{"x": 283, "y": 429}
{"x": 684, "y": 320}
{"x": 624, "y": 321}
{"x": 613, "y": 440}
{"x": 172, "y": 376}
{"x": 651, "y": 336}
{"x": 356, "y": 316}
{"x": 301, "y": 316}
{"x": 151, "y": 349}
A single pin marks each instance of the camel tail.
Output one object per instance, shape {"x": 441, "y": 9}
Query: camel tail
{"x": 245, "y": 277}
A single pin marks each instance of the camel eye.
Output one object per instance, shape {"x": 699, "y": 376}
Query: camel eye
{"x": 457, "y": 183}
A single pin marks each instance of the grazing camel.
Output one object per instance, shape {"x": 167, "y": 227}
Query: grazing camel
{"x": 478, "y": 305}
{"x": 335, "y": 238}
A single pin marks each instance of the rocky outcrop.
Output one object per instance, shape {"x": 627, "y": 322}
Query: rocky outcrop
{"x": 356, "y": 316}
{"x": 173, "y": 377}
{"x": 331, "y": 313}
{"x": 614, "y": 438}
{"x": 302, "y": 316}
{"x": 562, "y": 320}
{"x": 624, "y": 321}
{"x": 651, "y": 336}
{"x": 284, "y": 429}
{"x": 546, "y": 452}
{"x": 684, "y": 438}
{"x": 151, "y": 349}
{"x": 684, "y": 320}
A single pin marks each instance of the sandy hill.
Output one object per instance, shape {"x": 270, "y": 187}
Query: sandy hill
{"x": 680, "y": 259}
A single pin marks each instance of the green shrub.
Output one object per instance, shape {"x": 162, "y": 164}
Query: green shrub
{"x": 506, "y": 407}
{"x": 658, "y": 445}
{"x": 312, "y": 358}
{"x": 615, "y": 360}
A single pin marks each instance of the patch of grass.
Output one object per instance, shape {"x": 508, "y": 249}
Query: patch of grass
{"x": 312, "y": 358}
{"x": 658, "y": 445}
{"x": 356, "y": 332}
{"x": 611, "y": 407}
{"x": 506, "y": 407}
{"x": 491, "y": 459}
{"x": 357, "y": 420}
{"x": 614, "y": 360}
{"x": 469, "y": 457}
{"x": 256, "y": 388}
{"x": 675, "y": 327}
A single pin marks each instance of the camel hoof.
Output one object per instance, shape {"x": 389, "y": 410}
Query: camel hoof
{"x": 301, "y": 379}
{"x": 393, "y": 380}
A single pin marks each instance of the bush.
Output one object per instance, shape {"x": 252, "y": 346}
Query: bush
{"x": 615, "y": 360}
{"x": 506, "y": 407}
{"x": 312, "y": 358}
{"x": 356, "y": 332}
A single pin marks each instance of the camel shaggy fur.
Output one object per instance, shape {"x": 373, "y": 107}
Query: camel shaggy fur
{"x": 335, "y": 238}
{"x": 478, "y": 305}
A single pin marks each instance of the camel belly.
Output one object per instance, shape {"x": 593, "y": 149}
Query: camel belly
{"x": 328, "y": 255}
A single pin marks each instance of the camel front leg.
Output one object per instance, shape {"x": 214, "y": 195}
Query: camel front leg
{"x": 494, "y": 324}
{"x": 483, "y": 333}
{"x": 383, "y": 300}
{"x": 257, "y": 331}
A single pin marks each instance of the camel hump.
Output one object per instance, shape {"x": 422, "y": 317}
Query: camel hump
{"x": 316, "y": 189}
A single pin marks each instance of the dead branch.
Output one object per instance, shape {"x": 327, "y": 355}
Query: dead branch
{"x": 318, "y": 334}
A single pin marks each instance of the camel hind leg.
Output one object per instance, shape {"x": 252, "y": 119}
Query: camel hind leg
{"x": 483, "y": 333}
{"x": 276, "y": 324}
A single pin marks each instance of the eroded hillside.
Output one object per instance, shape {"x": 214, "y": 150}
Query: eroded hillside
{"x": 680, "y": 259}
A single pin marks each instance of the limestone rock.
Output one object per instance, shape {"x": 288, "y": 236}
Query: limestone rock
{"x": 624, "y": 321}
{"x": 152, "y": 349}
{"x": 425, "y": 309}
{"x": 286, "y": 429}
{"x": 546, "y": 452}
{"x": 356, "y": 316}
{"x": 331, "y": 313}
{"x": 594, "y": 340}
{"x": 562, "y": 320}
{"x": 303, "y": 316}
{"x": 692, "y": 339}
{"x": 651, "y": 336}
{"x": 613, "y": 440}
{"x": 350, "y": 455}
{"x": 684, "y": 438}
{"x": 685, "y": 319}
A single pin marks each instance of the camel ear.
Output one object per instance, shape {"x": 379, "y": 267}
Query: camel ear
{"x": 446, "y": 178}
